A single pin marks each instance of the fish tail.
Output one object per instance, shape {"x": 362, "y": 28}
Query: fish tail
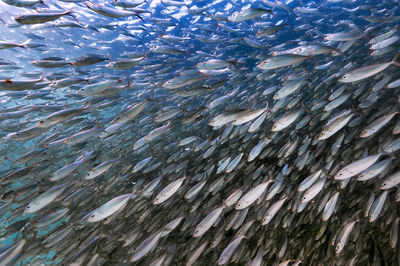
{"x": 66, "y": 141}
{"x": 337, "y": 50}
{"x": 25, "y": 44}
{"x": 53, "y": 82}
{"x": 41, "y": 76}
{"x": 43, "y": 3}
{"x": 69, "y": 13}
{"x": 88, "y": 107}
{"x": 394, "y": 60}
{"x": 139, "y": 17}
{"x": 150, "y": 98}
{"x": 155, "y": 84}
{"x": 234, "y": 63}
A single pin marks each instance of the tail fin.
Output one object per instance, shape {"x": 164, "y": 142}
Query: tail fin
{"x": 139, "y": 17}
{"x": 234, "y": 63}
{"x": 394, "y": 60}
{"x": 43, "y": 3}
{"x": 25, "y": 44}
{"x": 69, "y": 13}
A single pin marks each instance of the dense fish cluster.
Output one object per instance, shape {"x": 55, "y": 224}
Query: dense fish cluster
{"x": 199, "y": 133}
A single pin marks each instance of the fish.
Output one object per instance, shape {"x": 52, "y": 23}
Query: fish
{"x": 337, "y": 123}
{"x": 59, "y": 117}
{"x": 89, "y": 60}
{"x": 376, "y": 125}
{"x": 110, "y": 12}
{"x": 168, "y": 191}
{"x": 286, "y": 120}
{"x": 343, "y": 236}
{"x": 100, "y": 169}
{"x": 124, "y": 64}
{"x": 107, "y": 209}
{"x": 247, "y": 14}
{"x": 32, "y": 18}
{"x": 252, "y": 195}
{"x": 181, "y": 81}
{"x": 7, "y": 45}
{"x": 367, "y": 71}
{"x": 207, "y": 222}
{"x": 357, "y": 167}
{"x": 229, "y": 250}
{"x": 18, "y": 85}
{"x": 280, "y": 61}
{"x": 45, "y": 198}
{"x": 272, "y": 211}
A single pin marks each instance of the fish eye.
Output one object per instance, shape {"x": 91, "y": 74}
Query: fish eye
{"x": 41, "y": 121}
{"x": 92, "y": 216}
{"x": 340, "y": 174}
{"x": 28, "y": 207}
{"x": 17, "y": 134}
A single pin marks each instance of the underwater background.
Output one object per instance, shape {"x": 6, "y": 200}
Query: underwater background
{"x": 166, "y": 132}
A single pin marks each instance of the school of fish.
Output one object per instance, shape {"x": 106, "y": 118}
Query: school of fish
{"x": 209, "y": 132}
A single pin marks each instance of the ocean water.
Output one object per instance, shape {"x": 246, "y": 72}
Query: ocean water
{"x": 202, "y": 132}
